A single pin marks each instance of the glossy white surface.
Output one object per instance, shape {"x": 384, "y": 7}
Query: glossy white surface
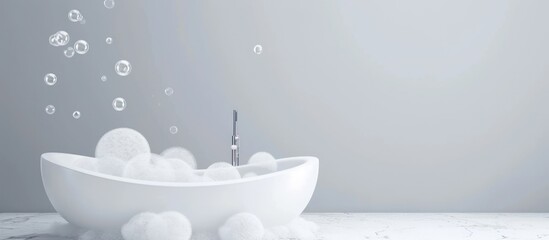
{"x": 355, "y": 226}
{"x": 104, "y": 202}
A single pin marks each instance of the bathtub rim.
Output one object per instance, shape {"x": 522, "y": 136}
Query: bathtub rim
{"x": 305, "y": 162}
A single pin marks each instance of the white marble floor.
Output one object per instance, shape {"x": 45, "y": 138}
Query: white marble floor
{"x": 351, "y": 226}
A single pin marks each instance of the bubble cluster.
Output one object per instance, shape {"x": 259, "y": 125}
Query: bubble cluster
{"x": 168, "y": 91}
{"x": 60, "y": 38}
{"x": 108, "y": 40}
{"x": 81, "y": 47}
{"x": 173, "y": 129}
{"x": 76, "y": 114}
{"x": 50, "y": 109}
{"x": 123, "y": 68}
{"x": 258, "y": 49}
{"x": 104, "y": 78}
{"x": 109, "y": 4}
{"x": 75, "y": 16}
{"x": 119, "y": 104}
{"x": 69, "y": 52}
{"x": 50, "y": 79}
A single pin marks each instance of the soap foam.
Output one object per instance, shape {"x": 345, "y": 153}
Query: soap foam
{"x": 122, "y": 143}
{"x": 180, "y": 153}
{"x": 263, "y": 160}
{"x": 153, "y": 167}
{"x": 242, "y": 226}
{"x": 162, "y": 226}
{"x": 221, "y": 171}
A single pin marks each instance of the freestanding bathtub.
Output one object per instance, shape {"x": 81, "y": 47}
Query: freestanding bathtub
{"x": 103, "y": 202}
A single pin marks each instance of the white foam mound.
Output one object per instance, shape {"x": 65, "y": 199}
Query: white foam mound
{"x": 205, "y": 236}
{"x": 153, "y": 167}
{"x": 107, "y": 165}
{"x": 242, "y": 226}
{"x": 122, "y": 143}
{"x": 152, "y": 226}
{"x": 249, "y": 174}
{"x": 180, "y": 153}
{"x": 222, "y": 171}
{"x": 95, "y": 235}
{"x": 175, "y": 226}
{"x": 66, "y": 230}
{"x": 264, "y": 160}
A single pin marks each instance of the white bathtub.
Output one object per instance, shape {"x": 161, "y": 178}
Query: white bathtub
{"x": 103, "y": 202}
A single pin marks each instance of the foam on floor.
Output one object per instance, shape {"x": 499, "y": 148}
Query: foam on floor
{"x": 242, "y": 226}
{"x": 162, "y": 226}
{"x": 175, "y": 226}
{"x": 180, "y": 153}
{"x": 122, "y": 143}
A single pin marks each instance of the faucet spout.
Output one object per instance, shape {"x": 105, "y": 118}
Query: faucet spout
{"x": 235, "y": 142}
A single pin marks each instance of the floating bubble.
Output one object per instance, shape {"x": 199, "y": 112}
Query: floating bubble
{"x": 104, "y": 78}
{"x": 60, "y": 38}
{"x": 173, "y": 129}
{"x": 123, "y": 68}
{"x": 53, "y": 40}
{"x": 81, "y": 47}
{"x": 108, "y": 40}
{"x": 119, "y": 104}
{"x": 75, "y": 16}
{"x": 76, "y": 114}
{"x": 50, "y": 79}
{"x": 109, "y": 4}
{"x": 50, "y": 109}
{"x": 258, "y": 49}
{"x": 69, "y": 52}
{"x": 168, "y": 91}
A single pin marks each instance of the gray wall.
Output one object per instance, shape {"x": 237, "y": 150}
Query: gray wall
{"x": 420, "y": 105}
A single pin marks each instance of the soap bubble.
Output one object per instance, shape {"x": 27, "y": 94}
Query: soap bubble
{"x": 76, "y": 114}
{"x": 109, "y": 4}
{"x": 53, "y": 40}
{"x": 123, "y": 68}
{"x": 168, "y": 91}
{"x": 173, "y": 129}
{"x": 258, "y": 49}
{"x": 181, "y": 154}
{"x": 108, "y": 40}
{"x": 81, "y": 47}
{"x": 152, "y": 167}
{"x": 75, "y": 16}
{"x": 69, "y": 52}
{"x": 50, "y": 79}
{"x": 50, "y": 109}
{"x": 60, "y": 38}
{"x": 123, "y": 143}
{"x": 242, "y": 226}
{"x": 104, "y": 78}
{"x": 221, "y": 171}
{"x": 118, "y": 103}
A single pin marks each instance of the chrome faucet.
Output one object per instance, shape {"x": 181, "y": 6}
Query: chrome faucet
{"x": 235, "y": 142}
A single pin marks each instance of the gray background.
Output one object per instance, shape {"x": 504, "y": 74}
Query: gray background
{"x": 420, "y": 105}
